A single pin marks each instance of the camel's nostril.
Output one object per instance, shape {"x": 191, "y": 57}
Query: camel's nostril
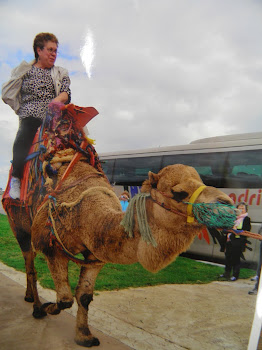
{"x": 224, "y": 201}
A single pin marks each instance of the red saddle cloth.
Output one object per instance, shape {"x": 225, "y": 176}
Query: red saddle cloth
{"x": 81, "y": 116}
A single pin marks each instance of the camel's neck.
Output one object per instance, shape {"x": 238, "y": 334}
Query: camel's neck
{"x": 172, "y": 234}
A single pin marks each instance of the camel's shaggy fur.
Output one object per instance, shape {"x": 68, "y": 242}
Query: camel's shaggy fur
{"x": 87, "y": 218}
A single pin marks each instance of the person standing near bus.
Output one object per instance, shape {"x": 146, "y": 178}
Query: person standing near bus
{"x": 255, "y": 289}
{"x": 124, "y": 200}
{"x": 235, "y": 244}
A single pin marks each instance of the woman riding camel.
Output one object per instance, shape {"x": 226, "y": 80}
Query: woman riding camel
{"x": 29, "y": 91}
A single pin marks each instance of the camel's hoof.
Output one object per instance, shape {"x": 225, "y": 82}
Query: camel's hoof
{"x": 88, "y": 343}
{"x": 65, "y": 304}
{"x": 39, "y": 312}
{"x": 51, "y": 308}
{"x": 29, "y": 299}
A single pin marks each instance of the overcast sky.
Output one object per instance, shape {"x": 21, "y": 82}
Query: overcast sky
{"x": 164, "y": 72}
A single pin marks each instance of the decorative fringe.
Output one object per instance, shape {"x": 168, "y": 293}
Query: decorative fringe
{"x": 91, "y": 141}
{"x": 138, "y": 201}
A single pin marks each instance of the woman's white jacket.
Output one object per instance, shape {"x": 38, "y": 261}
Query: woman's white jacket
{"x": 11, "y": 89}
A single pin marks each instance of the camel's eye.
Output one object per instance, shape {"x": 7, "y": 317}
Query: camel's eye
{"x": 179, "y": 196}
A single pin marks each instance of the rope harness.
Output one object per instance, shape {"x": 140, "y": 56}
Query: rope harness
{"x": 210, "y": 214}
{"x": 247, "y": 234}
{"x": 52, "y": 208}
{"x": 213, "y": 211}
{"x": 190, "y": 217}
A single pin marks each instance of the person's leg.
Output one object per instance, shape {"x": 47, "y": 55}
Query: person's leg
{"x": 259, "y": 260}
{"x": 255, "y": 289}
{"x": 236, "y": 253}
{"x": 228, "y": 260}
{"x": 23, "y": 141}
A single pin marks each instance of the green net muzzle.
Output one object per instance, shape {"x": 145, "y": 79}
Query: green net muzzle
{"x": 214, "y": 214}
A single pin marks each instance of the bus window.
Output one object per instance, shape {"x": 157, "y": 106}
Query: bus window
{"x": 134, "y": 171}
{"x": 245, "y": 169}
{"x": 210, "y": 166}
{"x": 108, "y": 166}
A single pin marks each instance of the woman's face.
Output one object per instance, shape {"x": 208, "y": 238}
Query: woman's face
{"x": 242, "y": 208}
{"x": 47, "y": 55}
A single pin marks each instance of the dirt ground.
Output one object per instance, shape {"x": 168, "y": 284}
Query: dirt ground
{"x": 213, "y": 316}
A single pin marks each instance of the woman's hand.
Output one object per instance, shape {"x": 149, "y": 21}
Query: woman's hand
{"x": 63, "y": 97}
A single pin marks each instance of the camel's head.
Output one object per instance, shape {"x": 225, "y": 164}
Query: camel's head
{"x": 176, "y": 185}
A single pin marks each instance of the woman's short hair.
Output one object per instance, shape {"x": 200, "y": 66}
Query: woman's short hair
{"x": 243, "y": 203}
{"x": 40, "y": 41}
{"x": 126, "y": 193}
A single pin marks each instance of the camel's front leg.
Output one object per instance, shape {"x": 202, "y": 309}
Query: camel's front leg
{"x": 31, "y": 295}
{"x": 58, "y": 266}
{"x": 84, "y": 295}
{"x": 31, "y": 290}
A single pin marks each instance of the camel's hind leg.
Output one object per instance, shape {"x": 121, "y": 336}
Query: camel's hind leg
{"x": 84, "y": 295}
{"x": 31, "y": 295}
{"x": 58, "y": 266}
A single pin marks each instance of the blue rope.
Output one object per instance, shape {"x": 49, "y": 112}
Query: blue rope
{"x": 33, "y": 155}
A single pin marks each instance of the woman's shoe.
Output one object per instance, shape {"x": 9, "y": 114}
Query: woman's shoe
{"x": 253, "y": 292}
{"x": 255, "y": 278}
{"x": 15, "y": 188}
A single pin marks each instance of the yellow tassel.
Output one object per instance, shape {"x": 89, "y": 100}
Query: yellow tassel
{"x": 91, "y": 141}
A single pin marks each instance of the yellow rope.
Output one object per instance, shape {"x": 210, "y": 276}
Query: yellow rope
{"x": 190, "y": 216}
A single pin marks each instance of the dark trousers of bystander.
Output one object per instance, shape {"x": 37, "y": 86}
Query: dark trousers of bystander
{"x": 259, "y": 266}
{"x": 233, "y": 254}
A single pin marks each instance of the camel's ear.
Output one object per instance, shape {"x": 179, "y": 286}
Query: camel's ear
{"x": 153, "y": 179}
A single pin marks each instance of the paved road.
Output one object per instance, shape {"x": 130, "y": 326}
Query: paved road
{"x": 215, "y": 316}
{"x": 20, "y": 331}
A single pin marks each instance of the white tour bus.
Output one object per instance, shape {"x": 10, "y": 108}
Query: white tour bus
{"x": 231, "y": 163}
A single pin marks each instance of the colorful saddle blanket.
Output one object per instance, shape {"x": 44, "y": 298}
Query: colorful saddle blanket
{"x": 61, "y": 135}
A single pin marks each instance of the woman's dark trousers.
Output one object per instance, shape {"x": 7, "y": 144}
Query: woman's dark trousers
{"x": 23, "y": 141}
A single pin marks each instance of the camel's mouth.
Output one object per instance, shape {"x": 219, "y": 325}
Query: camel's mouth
{"x": 216, "y": 214}
{"x": 224, "y": 201}
{"x": 230, "y": 203}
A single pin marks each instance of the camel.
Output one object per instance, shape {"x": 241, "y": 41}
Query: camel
{"x": 85, "y": 216}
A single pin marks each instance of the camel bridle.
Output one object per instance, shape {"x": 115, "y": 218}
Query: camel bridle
{"x": 190, "y": 217}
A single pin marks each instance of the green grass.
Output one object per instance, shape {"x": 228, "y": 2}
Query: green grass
{"x": 113, "y": 276}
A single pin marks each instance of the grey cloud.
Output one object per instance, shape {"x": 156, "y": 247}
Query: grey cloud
{"x": 165, "y": 72}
